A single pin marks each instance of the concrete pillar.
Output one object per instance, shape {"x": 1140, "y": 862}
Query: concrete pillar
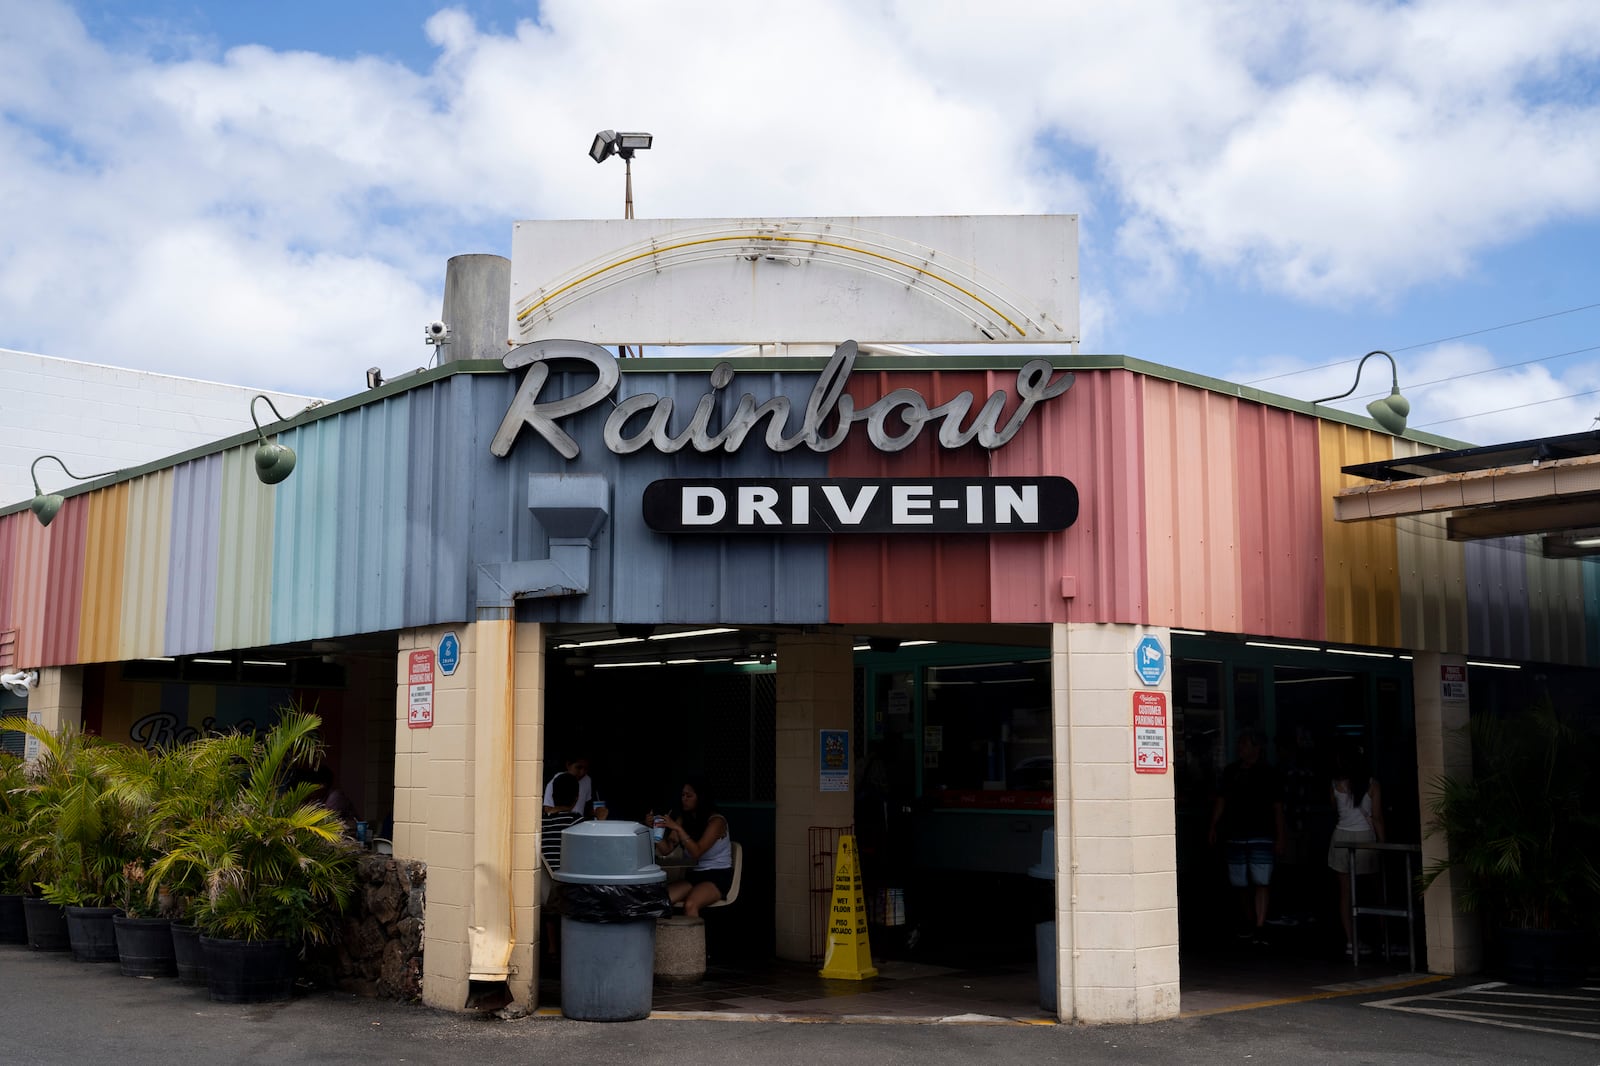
{"x": 55, "y": 701}
{"x": 1455, "y": 939}
{"x": 1115, "y": 838}
{"x": 816, "y": 691}
{"x": 434, "y": 797}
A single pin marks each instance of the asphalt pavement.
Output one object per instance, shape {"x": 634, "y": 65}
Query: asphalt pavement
{"x": 63, "y": 1012}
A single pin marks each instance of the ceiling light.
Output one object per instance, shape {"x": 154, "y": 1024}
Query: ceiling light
{"x": 1494, "y": 666}
{"x": 1281, "y": 647}
{"x": 692, "y": 633}
{"x": 1368, "y": 654}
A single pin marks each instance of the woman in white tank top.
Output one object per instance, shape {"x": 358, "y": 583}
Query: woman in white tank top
{"x": 702, "y": 831}
{"x": 1358, "y": 803}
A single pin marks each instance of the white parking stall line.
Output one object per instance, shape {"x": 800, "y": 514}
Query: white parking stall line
{"x": 1492, "y": 1003}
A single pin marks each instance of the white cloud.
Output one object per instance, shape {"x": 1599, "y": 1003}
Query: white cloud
{"x": 294, "y": 210}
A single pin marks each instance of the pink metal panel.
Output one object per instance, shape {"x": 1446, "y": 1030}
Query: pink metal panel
{"x": 8, "y": 567}
{"x": 1091, "y": 435}
{"x": 907, "y": 577}
{"x": 1280, "y": 523}
{"x": 30, "y": 575}
{"x": 63, "y": 603}
{"x": 1191, "y": 506}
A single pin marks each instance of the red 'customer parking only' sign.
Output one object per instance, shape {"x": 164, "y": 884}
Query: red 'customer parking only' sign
{"x": 1150, "y": 732}
{"x": 419, "y": 672}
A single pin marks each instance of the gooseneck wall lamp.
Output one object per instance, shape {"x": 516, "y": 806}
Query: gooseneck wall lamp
{"x": 44, "y": 507}
{"x": 274, "y": 462}
{"x": 1389, "y": 412}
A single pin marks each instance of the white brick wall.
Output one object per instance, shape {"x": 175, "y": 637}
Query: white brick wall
{"x": 101, "y": 418}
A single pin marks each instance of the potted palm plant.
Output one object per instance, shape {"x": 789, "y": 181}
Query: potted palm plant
{"x": 14, "y": 883}
{"x": 69, "y": 845}
{"x": 275, "y": 868}
{"x": 1524, "y": 839}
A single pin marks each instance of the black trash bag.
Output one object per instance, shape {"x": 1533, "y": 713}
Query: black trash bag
{"x": 611, "y": 903}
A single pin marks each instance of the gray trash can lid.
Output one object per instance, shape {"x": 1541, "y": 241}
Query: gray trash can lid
{"x": 608, "y": 853}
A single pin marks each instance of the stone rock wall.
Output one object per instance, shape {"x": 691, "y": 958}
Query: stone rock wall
{"x": 379, "y": 951}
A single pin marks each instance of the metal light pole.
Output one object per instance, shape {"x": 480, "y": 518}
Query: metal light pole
{"x": 608, "y": 143}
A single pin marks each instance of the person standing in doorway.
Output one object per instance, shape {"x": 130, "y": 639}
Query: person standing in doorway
{"x": 1358, "y": 803}
{"x": 578, "y": 767}
{"x": 1248, "y": 817}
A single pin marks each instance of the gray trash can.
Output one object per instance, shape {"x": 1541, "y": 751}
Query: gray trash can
{"x": 610, "y": 892}
{"x": 1044, "y": 933}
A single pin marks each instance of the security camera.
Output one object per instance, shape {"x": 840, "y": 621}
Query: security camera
{"x": 20, "y": 682}
{"x": 436, "y": 332}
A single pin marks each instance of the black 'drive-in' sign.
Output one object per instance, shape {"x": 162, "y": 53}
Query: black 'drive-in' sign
{"x": 861, "y": 505}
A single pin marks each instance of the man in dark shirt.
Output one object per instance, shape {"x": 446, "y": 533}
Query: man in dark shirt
{"x": 1248, "y": 817}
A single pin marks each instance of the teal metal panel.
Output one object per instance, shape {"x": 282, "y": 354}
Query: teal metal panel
{"x": 374, "y": 464}
{"x": 304, "y": 557}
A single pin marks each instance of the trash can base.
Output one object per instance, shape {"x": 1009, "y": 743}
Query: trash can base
{"x": 680, "y": 950}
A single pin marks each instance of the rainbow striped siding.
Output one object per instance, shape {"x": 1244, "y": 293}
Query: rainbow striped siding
{"x": 1200, "y": 509}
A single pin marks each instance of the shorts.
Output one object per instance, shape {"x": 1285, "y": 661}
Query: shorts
{"x": 1249, "y": 862}
{"x": 723, "y": 879}
{"x": 1339, "y": 857}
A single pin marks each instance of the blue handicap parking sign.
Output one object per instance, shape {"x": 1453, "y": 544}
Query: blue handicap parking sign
{"x": 1150, "y": 661}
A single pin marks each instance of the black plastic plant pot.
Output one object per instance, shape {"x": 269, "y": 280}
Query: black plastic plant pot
{"x": 47, "y": 925}
{"x": 13, "y": 923}
{"x": 91, "y": 935}
{"x": 188, "y": 955}
{"x": 248, "y": 971}
{"x": 144, "y": 947}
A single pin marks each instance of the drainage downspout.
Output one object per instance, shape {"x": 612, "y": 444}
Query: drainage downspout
{"x": 572, "y": 509}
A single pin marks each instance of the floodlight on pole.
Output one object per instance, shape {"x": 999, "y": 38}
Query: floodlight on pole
{"x": 1391, "y": 411}
{"x": 608, "y": 143}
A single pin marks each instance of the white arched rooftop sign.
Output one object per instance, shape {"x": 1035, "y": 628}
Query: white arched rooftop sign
{"x": 913, "y": 280}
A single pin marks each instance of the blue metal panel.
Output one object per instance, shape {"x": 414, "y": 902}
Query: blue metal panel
{"x": 1497, "y": 598}
{"x": 371, "y": 535}
{"x": 192, "y": 565}
{"x": 639, "y": 575}
{"x": 444, "y": 440}
{"x": 304, "y": 584}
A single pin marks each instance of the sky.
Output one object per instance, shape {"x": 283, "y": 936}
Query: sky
{"x": 267, "y": 194}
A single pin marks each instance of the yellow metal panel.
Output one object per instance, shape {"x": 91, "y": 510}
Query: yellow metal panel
{"x": 1433, "y": 577}
{"x": 1361, "y": 566}
{"x": 100, "y": 618}
{"x": 244, "y": 554}
{"x": 144, "y": 570}
{"x": 1191, "y": 507}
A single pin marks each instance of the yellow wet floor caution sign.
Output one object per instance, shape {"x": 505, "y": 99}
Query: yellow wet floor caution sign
{"x": 849, "y": 958}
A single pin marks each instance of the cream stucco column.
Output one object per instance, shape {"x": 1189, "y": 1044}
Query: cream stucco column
{"x": 1115, "y": 841}
{"x": 55, "y": 701}
{"x": 1455, "y": 939}
{"x": 816, "y": 691}
{"x": 440, "y": 784}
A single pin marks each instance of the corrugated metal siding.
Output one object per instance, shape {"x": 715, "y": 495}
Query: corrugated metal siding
{"x": 8, "y": 567}
{"x": 1280, "y": 523}
{"x": 1191, "y": 507}
{"x": 192, "y": 559}
{"x": 1555, "y": 607}
{"x": 102, "y": 578}
{"x": 30, "y": 582}
{"x": 147, "y": 558}
{"x": 910, "y": 577}
{"x": 1361, "y": 561}
{"x": 305, "y": 523}
{"x": 1497, "y": 598}
{"x": 244, "y": 553}
{"x": 1433, "y": 577}
{"x": 438, "y": 502}
{"x": 1093, "y": 436}
{"x": 1591, "y": 603}
{"x": 371, "y": 546}
{"x": 63, "y": 604}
